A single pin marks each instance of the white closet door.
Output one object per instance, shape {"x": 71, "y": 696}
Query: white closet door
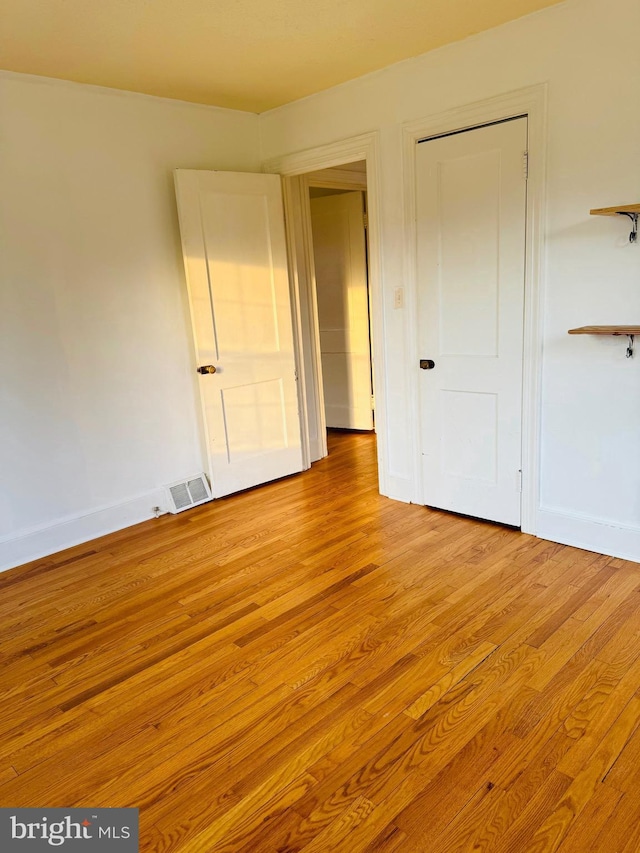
{"x": 471, "y": 207}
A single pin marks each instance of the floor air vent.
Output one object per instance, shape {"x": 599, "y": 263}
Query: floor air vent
{"x": 188, "y": 493}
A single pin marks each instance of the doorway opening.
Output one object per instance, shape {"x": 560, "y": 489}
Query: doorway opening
{"x": 332, "y": 262}
{"x": 338, "y": 218}
{"x": 355, "y": 164}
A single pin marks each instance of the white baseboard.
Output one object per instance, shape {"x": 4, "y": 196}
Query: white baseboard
{"x": 38, "y": 542}
{"x": 568, "y": 529}
{"x": 591, "y": 534}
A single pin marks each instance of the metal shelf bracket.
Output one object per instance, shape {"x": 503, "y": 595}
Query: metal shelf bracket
{"x": 633, "y": 236}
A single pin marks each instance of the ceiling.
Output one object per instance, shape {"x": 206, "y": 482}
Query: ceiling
{"x": 244, "y": 54}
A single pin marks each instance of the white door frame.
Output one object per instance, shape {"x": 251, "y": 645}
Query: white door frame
{"x": 532, "y": 102}
{"x": 337, "y": 179}
{"x": 293, "y": 167}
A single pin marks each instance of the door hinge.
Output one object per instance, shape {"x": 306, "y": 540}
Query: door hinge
{"x": 295, "y": 375}
{"x": 365, "y": 220}
{"x": 373, "y": 402}
{"x": 519, "y": 480}
{"x": 525, "y": 165}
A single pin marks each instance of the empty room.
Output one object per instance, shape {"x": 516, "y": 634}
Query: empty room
{"x": 319, "y": 412}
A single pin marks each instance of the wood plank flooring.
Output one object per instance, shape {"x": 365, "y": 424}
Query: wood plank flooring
{"x": 310, "y": 666}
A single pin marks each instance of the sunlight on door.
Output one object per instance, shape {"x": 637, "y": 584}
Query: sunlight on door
{"x": 234, "y": 249}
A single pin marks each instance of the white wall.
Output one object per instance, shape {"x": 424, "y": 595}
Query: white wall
{"x": 98, "y": 403}
{"x": 586, "y": 50}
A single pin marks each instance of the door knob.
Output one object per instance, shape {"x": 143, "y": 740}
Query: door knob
{"x": 207, "y": 368}
{"x": 427, "y": 364}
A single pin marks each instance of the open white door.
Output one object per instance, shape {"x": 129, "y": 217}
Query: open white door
{"x": 340, "y": 261}
{"x": 471, "y": 207}
{"x": 235, "y": 257}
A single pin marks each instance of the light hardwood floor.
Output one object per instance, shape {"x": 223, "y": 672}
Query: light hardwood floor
{"x": 310, "y": 666}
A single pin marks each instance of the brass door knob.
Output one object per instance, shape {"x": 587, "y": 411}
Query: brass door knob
{"x": 207, "y": 368}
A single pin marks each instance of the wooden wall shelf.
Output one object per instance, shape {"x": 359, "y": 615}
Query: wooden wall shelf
{"x": 615, "y": 211}
{"x": 630, "y": 210}
{"x": 606, "y": 330}
{"x": 629, "y": 331}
